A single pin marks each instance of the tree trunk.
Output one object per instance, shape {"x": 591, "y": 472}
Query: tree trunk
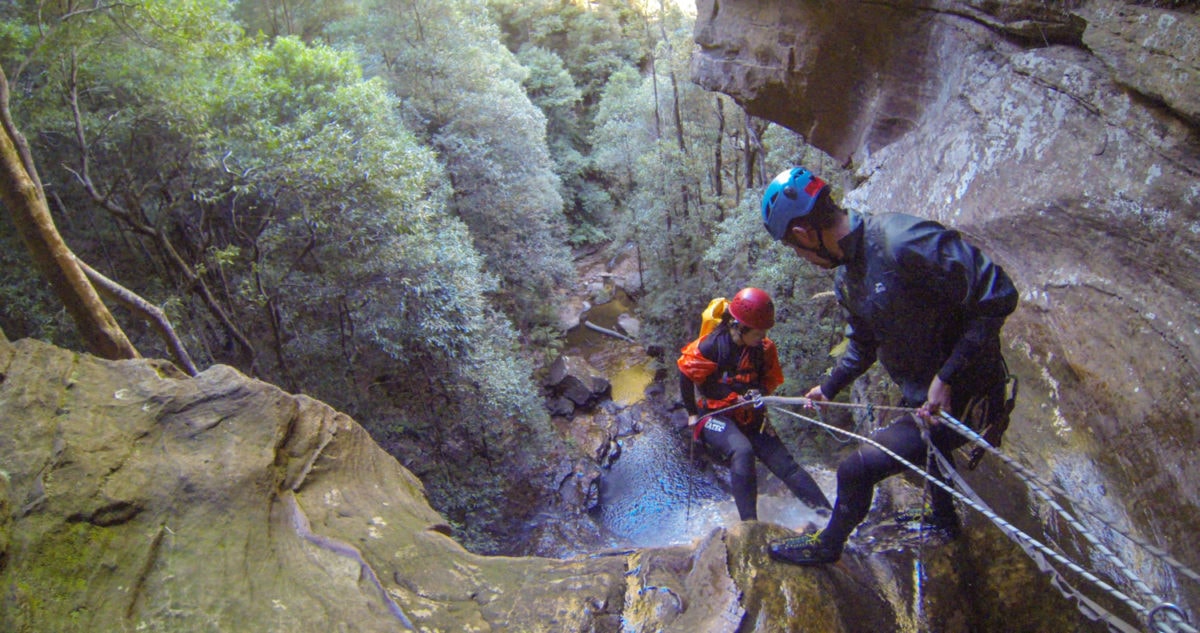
{"x": 22, "y": 193}
{"x": 754, "y": 150}
{"x": 718, "y": 158}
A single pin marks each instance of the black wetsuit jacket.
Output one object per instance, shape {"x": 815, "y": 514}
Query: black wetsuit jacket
{"x": 923, "y": 302}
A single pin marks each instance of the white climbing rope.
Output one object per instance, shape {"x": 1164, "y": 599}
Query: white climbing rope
{"x": 1086, "y": 605}
{"x": 1027, "y": 475}
{"x": 1024, "y": 473}
{"x": 1163, "y": 618}
{"x": 1034, "y": 485}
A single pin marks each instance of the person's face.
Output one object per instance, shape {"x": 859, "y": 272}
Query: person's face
{"x": 804, "y": 242}
{"x": 752, "y": 337}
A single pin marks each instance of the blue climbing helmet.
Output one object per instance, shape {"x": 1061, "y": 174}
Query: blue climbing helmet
{"x": 791, "y": 195}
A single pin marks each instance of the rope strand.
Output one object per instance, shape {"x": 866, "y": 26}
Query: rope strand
{"x": 1004, "y": 525}
{"x": 1023, "y": 472}
{"x": 1156, "y": 617}
{"x": 1029, "y": 477}
{"x": 1087, "y": 534}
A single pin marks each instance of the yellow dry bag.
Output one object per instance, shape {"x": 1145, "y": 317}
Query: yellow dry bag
{"x": 711, "y": 317}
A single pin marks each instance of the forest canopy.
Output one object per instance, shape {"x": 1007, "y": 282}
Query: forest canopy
{"x": 378, "y": 203}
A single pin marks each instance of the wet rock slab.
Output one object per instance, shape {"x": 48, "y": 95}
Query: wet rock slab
{"x": 136, "y": 498}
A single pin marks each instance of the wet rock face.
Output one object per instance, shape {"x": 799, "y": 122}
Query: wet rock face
{"x": 1063, "y": 138}
{"x": 816, "y": 67}
{"x": 135, "y": 498}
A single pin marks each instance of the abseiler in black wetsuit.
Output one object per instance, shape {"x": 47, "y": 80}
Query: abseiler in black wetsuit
{"x": 928, "y": 306}
{"x": 926, "y": 303}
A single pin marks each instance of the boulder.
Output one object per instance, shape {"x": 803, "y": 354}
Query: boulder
{"x": 575, "y": 379}
{"x": 629, "y": 324}
{"x": 138, "y": 499}
{"x": 571, "y": 311}
{"x": 560, "y": 406}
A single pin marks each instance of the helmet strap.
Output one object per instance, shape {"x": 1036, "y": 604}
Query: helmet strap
{"x": 738, "y": 331}
{"x": 821, "y": 250}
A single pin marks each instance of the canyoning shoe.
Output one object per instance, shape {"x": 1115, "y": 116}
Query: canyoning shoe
{"x": 806, "y": 549}
{"x": 945, "y": 528}
{"x": 914, "y": 515}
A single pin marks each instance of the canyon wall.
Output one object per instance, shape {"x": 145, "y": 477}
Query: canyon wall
{"x": 1062, "y": 137}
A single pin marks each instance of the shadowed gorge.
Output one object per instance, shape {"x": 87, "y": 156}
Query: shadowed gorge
{"x": 429, "y": 264}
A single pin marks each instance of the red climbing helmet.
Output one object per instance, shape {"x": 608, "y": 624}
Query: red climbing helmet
{"x": 753, "y": 307}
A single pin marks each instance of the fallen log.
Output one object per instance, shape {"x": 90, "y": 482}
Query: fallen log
{"x": 604, "y": 330}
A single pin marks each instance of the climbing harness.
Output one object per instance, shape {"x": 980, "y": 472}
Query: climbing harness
{"x": 695, "y": 435}
{"x": 1164, "y": 617}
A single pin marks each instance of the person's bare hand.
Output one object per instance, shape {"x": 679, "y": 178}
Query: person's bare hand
{"x": 938, "y": 400}
{"x": 814, "y": 396}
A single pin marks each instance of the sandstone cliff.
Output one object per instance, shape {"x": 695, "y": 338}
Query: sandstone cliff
{"x": 1060, "y": 136}
{"x": 134, "y": 498}
{"x": 1064, "y": 138}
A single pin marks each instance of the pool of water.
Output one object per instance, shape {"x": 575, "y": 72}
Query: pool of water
{"x": 653, "y": 496}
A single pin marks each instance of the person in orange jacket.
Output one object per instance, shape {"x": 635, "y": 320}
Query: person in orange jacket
{"x": 725, "y": 367}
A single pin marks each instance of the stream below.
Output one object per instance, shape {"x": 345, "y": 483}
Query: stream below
{"x": 664, "y": 488}
{"x": 653, "y": 495}
{"x": 658, "y": 488}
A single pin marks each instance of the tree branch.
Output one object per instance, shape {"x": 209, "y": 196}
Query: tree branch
{"x": 193, "y": 280}
{"x": 145, "y": 309}
{"x": 25, "y": 200}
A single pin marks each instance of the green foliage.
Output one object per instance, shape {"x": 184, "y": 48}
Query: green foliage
{"x": 462, "y": 91}
{"x": 324, "y": 232}
{"x": 586, "y": 233}
{"x": 549, "y": 84}
{"x": 28, "y": 308}
{"x": 303, "y": 19}
{"x": 594, "y": 39}
{"x": 696, "y": 242}
{"x": 572, "y": 50}
{"x": 52, "y": 595}
{"x": 659, "y": 185}
{"x": 623, "y": 130}
{"x": 376, "y": 198}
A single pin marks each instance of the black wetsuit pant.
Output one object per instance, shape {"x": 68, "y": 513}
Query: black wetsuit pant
{"x": 858, "y": 473}
{"x": 740, "y": 445}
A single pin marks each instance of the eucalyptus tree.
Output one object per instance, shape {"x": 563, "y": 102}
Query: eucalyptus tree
{"x": 371, "y": 282}
{"x": 304, "y": 19}
{"x": 46, "y": 47}
{"x": 573, "y": 48}
{"x": 652, "y": 140}
{"x": 461, "y": 90}
{"x": 25, "y": 200}
{"x": 552, "y": 89}
{"x": 593, "y": 38}
{"x": 114, "y": 96}
{"x": 278, "y": 207}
